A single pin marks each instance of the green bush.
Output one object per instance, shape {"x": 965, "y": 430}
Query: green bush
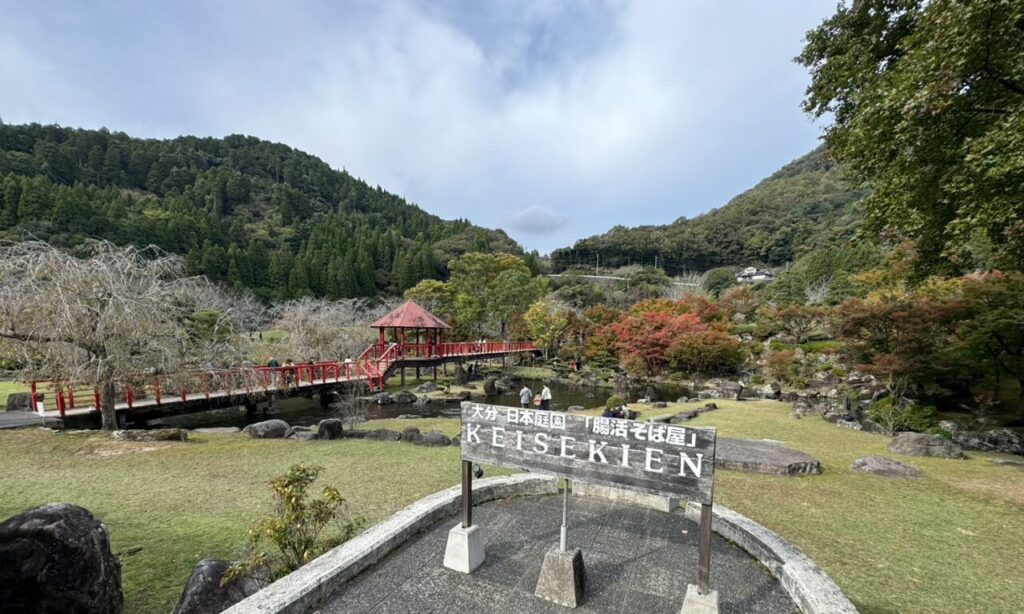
{"x": 739, "y": 329}
{"x": 294, "y": 535}
{"x": 614, "y": 401}
{"x": 756, "y": 380}
{"x": 896, "y": 417}
{"x": 821, "y": 347}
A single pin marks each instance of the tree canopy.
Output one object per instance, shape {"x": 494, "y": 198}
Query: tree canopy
{"x": 927, "y": 101}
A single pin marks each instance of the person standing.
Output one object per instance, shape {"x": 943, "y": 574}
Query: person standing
{"x": 525, "y": 396}
{"x": 545, "y": 398}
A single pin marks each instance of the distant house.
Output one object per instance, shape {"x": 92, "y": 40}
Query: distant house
{"x": 752, "y": 275}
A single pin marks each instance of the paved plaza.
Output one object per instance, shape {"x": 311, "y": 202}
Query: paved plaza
{"x": 637, "y": 560}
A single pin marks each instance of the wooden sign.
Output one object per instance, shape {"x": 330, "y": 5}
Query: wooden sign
{"x": 649, "y": 457}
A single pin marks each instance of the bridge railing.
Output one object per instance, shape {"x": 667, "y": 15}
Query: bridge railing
{"x": 157, "y": 388}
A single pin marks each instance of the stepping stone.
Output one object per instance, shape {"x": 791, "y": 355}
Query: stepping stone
{"x": 763, "y": 457}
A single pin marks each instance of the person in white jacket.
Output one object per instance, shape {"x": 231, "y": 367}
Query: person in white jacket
{"x": 545, "y": 398}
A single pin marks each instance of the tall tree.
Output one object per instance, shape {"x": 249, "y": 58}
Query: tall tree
{"x": 103, "y": 319}
{"x": 927, "y": 101}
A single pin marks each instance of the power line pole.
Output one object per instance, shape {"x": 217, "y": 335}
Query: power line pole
{"x": 598, "y": 269}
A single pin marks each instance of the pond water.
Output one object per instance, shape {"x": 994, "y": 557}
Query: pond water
{"x": 308, "y": 412}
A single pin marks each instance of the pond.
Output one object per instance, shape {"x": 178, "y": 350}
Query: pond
{"x": 308, "y": 412}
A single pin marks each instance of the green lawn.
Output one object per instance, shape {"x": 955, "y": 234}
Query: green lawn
{"x": 182, "y": 502}
{"x": 949, "y": 542}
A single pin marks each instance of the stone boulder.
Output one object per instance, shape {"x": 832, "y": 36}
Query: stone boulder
{"x": 57, "y": 558}
{"x": 268, "y": 429}
{"x": 710, "y": 406}
{"x": 383, "y": 398}
{"x": 770, "y": 391}
{"x": 996, "y": 440}
{"x": 682, "y": 400}
{"x": 491, "y": 386}
{"x": 303, "y": 436}
{"x": 575, "y": 408}
{"x": 218, "y": 430}
{"x": 427, "y": 387}
{"x": 384, "y": 435}
{"x": 763, "y": 457}
{"x": 921, "y": 444}
{"x": 330, "y": 428}
{"x": 203, "y": 593}
{"x": 19, "y": 401}
{"x": 659, "y": 404}
{"x": 460, "y": 377}
{"x": 456, "y": 441}
{"x": 410, "y": 433}
{"x": 887, "y": 467}
{"x": 503, "y": 385}
{"x": 152, "y": 435}
{"x": 420, "y": 402}
{"x": 433, "y": 439}
{"x": 870, "y": 426}
{"x": 404, "y": 397}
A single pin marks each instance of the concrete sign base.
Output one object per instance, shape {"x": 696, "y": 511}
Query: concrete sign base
{"x": 563, "y": 577}
{"x": 695, "y": 603}
{"x": 465, "y": 550}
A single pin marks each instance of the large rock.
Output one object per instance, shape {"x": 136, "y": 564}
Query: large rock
{"x": 410, "y": 433}
{"x": 427, "y": 387}
{"x": 420, "y": 402}
{"x": 56, "y": 558}
{"x": 491, "y": 386}
{"x": 921, "y": 444}
{"x": 405, "y": 397}
{"x": 384, "y": 435}
{"x": 383, "y": 398}
{"x": 763, "y": 457}
{"x": 659, "y": 404}
{"x": 460, "y": 377}
{"x": 329, "y": 428}
{"x": 575, "y": 408}
{"x": 268, "y": 429}
{"x": 432, "y": 439}
{"x": 19, "y": 401}
{"x": 218, "y": 430}
{"x": 770, "y": 391}
{"x": 204, "y": 594}
{"x": 152, "y": 435}
{"x": 881, "y": 465}
{"x": 996, "y": 440}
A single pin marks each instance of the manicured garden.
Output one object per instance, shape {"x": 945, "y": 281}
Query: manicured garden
{"x": 944, "y": 543}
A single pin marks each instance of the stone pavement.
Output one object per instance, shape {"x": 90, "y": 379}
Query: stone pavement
{"x": 638, "y": 560}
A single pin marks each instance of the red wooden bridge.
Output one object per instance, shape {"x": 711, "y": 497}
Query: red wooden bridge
{"x": 149, "y": 394}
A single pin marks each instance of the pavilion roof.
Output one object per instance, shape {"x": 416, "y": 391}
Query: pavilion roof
{"x": 410, "y": 315}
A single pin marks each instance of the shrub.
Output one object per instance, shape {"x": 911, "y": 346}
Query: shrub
{"x": 707, "y": 353}
{"x": 614, "y": 401}
{"x": 898, "y": 417}
{"x": 782, "y": 365}
{"x": 295, "y": 530}
{"x": 739, "y": 329}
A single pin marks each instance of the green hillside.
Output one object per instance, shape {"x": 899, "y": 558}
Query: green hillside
{"x": 804, "y": 206}
{"x": 242, "y": 211}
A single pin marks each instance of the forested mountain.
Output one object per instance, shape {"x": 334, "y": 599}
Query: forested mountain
{"x": 242, "y": 211}
{"x": 804, "y": 206}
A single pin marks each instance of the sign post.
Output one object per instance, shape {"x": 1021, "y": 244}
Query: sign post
{"x": 648, "y": 457}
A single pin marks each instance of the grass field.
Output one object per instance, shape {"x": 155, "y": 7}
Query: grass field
{"x": 949, "y": 542}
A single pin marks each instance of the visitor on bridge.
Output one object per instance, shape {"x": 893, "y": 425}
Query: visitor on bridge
{"x": 545, "y": 398}
{"x": 525, "y": 396}
{"x": 289, "y": 372}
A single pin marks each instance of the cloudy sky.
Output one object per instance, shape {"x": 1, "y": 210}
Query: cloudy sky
{"x": 551, "y": 119}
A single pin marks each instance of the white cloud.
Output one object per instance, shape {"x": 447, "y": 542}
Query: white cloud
{"x": 536, "y": 220}
{"x": 625, "y": 113}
